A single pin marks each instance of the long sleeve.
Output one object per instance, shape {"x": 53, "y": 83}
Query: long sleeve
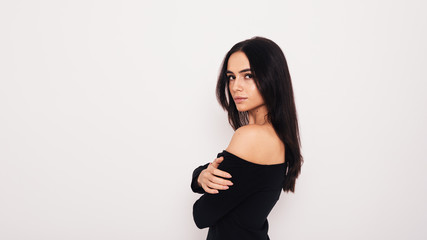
{"x": 210, "y": 208}
{"x": 194, "y": 186}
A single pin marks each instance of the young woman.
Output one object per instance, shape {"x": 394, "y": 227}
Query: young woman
{"x": 243, "y": 184}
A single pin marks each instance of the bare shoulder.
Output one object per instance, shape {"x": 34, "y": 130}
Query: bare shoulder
{"x": 257, "y": 144}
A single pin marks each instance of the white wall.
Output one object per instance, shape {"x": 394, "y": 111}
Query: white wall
{"x": 106, "y": 107}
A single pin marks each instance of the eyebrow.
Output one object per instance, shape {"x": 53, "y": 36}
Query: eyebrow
{"x": 244, "y": 70}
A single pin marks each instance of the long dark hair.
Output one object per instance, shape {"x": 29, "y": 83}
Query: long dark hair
{"x": 271, "y": 75}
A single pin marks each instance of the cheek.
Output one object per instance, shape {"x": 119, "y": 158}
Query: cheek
{"x": 253, "y": 88}
{"x": 254, "y": 91}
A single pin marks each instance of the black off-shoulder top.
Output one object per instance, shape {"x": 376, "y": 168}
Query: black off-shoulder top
{"x": 241, "y": 211}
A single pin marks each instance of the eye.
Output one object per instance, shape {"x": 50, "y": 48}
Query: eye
{"x": 228, "y": 77}
{"x": 249, "y": 75}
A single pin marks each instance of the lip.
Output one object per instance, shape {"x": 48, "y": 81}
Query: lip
{"x": 239, "y": 99}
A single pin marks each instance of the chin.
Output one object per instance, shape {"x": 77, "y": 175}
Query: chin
{"x": 240, "y": 109}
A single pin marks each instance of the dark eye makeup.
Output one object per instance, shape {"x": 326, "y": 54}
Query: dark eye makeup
{"x": 248, "y": 74}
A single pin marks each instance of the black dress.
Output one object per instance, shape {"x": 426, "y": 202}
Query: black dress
{"x": 241, "y": 211}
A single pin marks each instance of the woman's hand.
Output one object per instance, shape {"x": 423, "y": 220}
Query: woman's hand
{"x": 209, "y": 181}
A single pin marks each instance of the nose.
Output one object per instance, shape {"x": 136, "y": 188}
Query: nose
{"x": 237, "y": 84}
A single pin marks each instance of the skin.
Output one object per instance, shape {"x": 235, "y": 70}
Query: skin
{"x": 241, "y": 84}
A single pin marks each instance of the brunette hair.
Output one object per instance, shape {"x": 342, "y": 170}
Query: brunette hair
{"x": 271, "y": 75}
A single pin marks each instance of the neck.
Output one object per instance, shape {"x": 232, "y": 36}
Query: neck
{"x": 258, "y": 115}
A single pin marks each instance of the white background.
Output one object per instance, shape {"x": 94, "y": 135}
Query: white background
{"x": 106, "y": 108}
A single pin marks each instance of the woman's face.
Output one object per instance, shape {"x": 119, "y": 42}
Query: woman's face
{"x": 241, "y": 83}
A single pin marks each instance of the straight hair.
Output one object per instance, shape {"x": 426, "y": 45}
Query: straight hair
{"x": 272, "y": 78}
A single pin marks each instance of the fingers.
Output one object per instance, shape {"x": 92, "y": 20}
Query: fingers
{"x": 217, "y": 186}
{"x": 209, "y": 190}
{"x": 220, "y": 181}
{"x": 217, "y": 161}
{"x": 213, "y": 184}
{"x": 208, "y": 177}
{"x": 213, "y": 188}
{"x": 221, "y": 173}
{"x": 213, "y": 178}
{"x": 216, "y": 171}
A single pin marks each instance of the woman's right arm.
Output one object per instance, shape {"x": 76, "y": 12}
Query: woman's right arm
{"x": 209, "y": 179}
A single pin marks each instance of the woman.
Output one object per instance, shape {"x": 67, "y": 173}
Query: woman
{"x": 243, "y": 184}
